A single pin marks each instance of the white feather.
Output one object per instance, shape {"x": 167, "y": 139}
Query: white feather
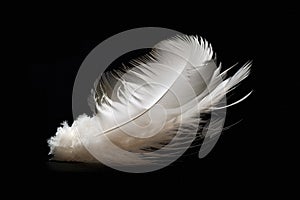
{"x": 172, "y": 85}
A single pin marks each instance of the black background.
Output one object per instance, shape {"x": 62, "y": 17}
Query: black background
{"x": 252, "y": 156}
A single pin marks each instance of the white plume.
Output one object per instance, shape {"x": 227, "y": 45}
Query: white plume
{"x": 154, "y": 105}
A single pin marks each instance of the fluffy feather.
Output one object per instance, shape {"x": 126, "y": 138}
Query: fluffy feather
{"x": 172, "y": 85}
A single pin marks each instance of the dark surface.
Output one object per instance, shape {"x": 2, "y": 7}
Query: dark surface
{"x": 248, "y": 155}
